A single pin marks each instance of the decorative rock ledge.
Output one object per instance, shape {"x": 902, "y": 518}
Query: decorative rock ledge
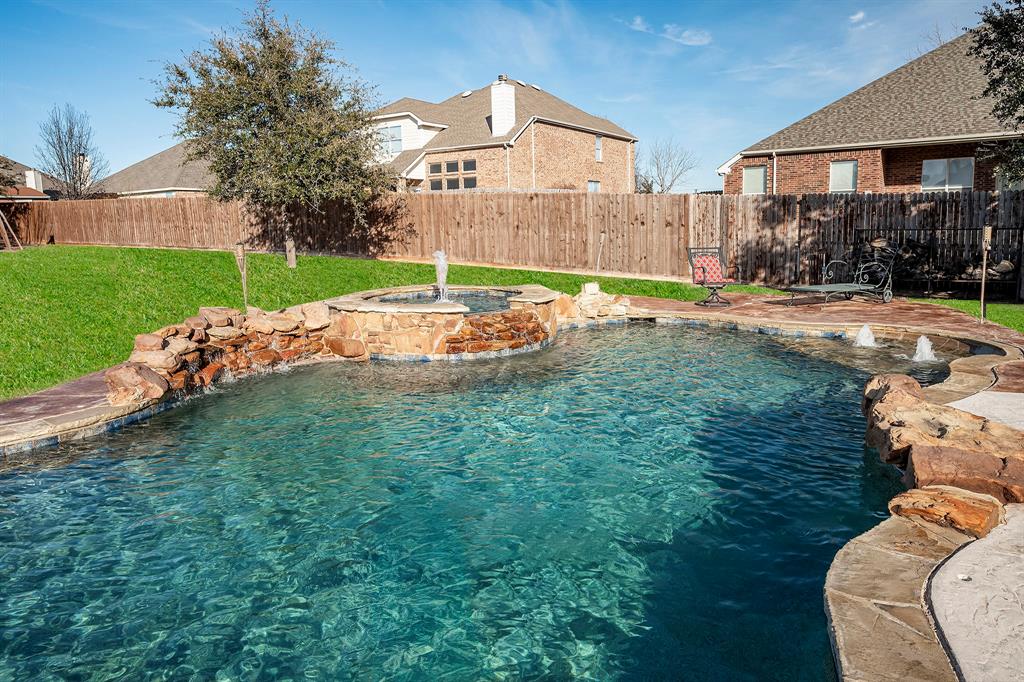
{"x": 969, "y": 513}
{"x": 938, "y": 444}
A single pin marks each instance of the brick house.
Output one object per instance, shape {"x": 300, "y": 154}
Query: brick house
{"x": 508, "y": 136}
{"x": 915, "y": 129}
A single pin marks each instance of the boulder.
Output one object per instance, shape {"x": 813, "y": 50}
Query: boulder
{"x": 145, "y": 342}
{"x": 265, "y": 357}
{"x": 157, "y": 359}
{"x": 207, "y": 375}
{"x": 218, "y": 316}
{"x": 258, "y": 324}
{"x": 881, "y": 384}
{"x": 968, "y": 512}
{"x": 179, "y": 380}
{"x": 316, "y": 315}
{"x": 180, "y": 345}
{"x": 196, "y": 322}
{"x": 224, "y": 332}
{"x": 346, "y": 348}
{"x": 283, "y": 322}
{"x": 565, "y": 307}
{"x": 343, "y": 325}
{"x": 199, "y": 336}
{"x": 134, "y": 382}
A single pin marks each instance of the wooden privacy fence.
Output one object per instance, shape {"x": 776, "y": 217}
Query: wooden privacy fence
{"x": 773, "y": 239}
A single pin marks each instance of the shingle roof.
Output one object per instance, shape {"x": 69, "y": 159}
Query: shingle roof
{"x": 164, "y": 169}
{"x": 19, "y": 173}
{"x": 468, "y": 118}
{"x": 938, "y": 95}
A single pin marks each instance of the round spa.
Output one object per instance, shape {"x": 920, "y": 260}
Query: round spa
{"x": 408, "y": 323}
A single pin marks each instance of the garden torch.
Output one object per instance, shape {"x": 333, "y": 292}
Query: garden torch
{"x": 240, "y": 262}
{"x": 986, "y": 244}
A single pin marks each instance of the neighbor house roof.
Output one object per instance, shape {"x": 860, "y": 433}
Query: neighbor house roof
{"x": 19, "y": 173}
{"x": 937, "y": 97}
{"x": 165, "y": 170}
{"x": 467, "y": 121}
{"x": 21, "y": 192}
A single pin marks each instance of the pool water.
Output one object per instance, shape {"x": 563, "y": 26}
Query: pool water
{"x": 639, "y": 503}
{"x": 478, "y": 301}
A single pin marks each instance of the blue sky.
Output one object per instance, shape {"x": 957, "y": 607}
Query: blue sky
{"x": 715, "y": 76}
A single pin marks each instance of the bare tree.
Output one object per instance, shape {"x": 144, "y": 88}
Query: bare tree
{"x": 934, "y": 38}
{"x": 68, "y": 153}
{"x": 7, "y": 177}
{"x": 664, "y": 167}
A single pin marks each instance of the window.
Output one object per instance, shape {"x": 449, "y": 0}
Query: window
{"x": 451, "y": 166}
{"x": 597, "y": 147}
{"x": 469, "y": 166}
{"x": 451, "y": 183}
{"x": 755, "y": 179}
{"x": 435, "y": 169}
{"x": 435, "y": 185}
{"x": 1004, "y": 185}
{"x": 842, "y": 176}
{"x": 469, "y": 182}
{"x": 593, "y": 185}
{"x": 392, "y": 139}
{"x": 947, "y": 175}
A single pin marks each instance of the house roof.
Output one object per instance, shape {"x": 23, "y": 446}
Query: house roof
{"x": 467, "y": 117}
{"x": 936, "y": 97}
{"x": 21, "y": 192}
{"x": 19, "y": 173}
{"x": 165, "y": 170}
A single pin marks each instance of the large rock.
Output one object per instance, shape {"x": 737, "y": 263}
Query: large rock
{"x": 224, "y": 333}
{"x": 180, "y": 345}
{"x": 157, "y": 359}
{"x": 565, "y": 307}
{"x": 972, "y": 513}
{"x": 346, "y": 348}
{"x": 258, "y": 323}
{"x": 207, "y": 375}
{"x": 317, "y": 315}
{"x": 283, "y": 322}
{"x": 880, "y": 385}
{"x": 941, "y": 445}
{"x": 219, "y": 316}
{"x": 265, "y": 357}
{"x": 593, "y": 303}
{"x": 133, "y": 383}
{"x": 147, "y": 342}
{"x": 343, "y": 325}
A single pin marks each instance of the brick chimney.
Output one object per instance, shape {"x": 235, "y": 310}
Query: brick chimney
{"x": 34, "y": 179}
{"x": 503, "y": 106}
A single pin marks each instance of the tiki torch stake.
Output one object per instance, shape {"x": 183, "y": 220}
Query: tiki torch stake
{"x": 240, "y": 261}
{"x": 986, "y": 244}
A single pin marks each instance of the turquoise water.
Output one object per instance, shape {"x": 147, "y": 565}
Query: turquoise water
{"x": 478, "y": 301}
{"x": 634, "y": 503}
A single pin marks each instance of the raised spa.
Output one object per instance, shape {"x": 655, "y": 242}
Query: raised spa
{"x": 635, "y": 502}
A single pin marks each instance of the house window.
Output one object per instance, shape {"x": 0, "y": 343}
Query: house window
{"x": 755, "y": 179}
{"x": 597, "y": 147}
{"x": 469, "y": 166}
{"x": 451, "y": 166}
{"x": 947, "y": 175}
{"x": 435, "y": 185}
{"x": 392, "y": 139}
{"x": 451, "y": 183}
{"x": 593, "y": 185}
{"x": 434, "y": 169}
{"x": 842, "y": 176}
{"x": 469, "y": 182}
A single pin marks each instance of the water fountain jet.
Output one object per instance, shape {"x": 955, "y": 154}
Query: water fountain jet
{"x": 441, "y": 268}
{"x": 924, "y": 351}
{"x": 865, "y": 338}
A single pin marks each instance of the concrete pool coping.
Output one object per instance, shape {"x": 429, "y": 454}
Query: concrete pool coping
{"x": 360, "y": 301}
{"x": 79, "y": 409}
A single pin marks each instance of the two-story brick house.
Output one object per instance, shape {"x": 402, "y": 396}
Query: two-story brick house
{"x": 509, "y": 135}
{"x": 915, "y": 129}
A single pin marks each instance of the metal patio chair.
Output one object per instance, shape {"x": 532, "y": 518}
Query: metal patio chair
{"x": 872, "y": 277}
{"x": 707, "y": 268}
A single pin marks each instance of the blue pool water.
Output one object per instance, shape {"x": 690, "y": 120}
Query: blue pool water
{"x": 477, "y": 300}
{"x": 635, "y": 503}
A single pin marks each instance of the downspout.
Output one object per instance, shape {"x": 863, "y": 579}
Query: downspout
{"x": 775, "y": 173}
{"x": 508, "y": 167}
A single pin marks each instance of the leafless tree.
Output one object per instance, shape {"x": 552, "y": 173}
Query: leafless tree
{"x": 68, "y": 153}
{"x": 663, "y": 167}
{"x": 934, "y": 38}
{"x": 7, "y": 178}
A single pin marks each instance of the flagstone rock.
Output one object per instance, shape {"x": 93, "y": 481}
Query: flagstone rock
{"x": 266, "y": 357}
{"x": 972, "y": 513}
{"x": 156, "y": 359}
{"x": 218, "y": 316}
{"x": 282, "y": 322}
{"x": 224, "y": 332}
{"x": 146, "y": 342}
{"x": 316, "y": 315}
{"x": 207, "y": 375}
{"x": 196, "y": 322}
{"x": 134, "y": 382}
{"x": 258, "y": 324}
{"x": 346, "y": 348}
{"x": 180, "y": 345}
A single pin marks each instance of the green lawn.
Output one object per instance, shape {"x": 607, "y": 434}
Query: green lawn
{"x": 1007, "y": 314}
{"x": 69, "y": 310}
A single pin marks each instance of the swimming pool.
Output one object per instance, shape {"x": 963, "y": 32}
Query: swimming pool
{"x": 634, "y": 502}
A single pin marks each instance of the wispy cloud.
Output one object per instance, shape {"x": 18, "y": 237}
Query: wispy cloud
{"x": 857, "y": 17}
{"x": 674, "y": 32}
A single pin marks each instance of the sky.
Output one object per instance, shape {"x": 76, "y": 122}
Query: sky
{"x": 715, "y": 77}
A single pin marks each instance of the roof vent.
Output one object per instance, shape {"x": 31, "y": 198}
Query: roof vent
{"x": 534, "y": 86}
{"x": 502, "y": 77}
{"x": 521, "y": 82}
{"x": 467, "y": 93}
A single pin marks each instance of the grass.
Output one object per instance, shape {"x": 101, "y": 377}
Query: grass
{"x": 1007, "y": 314}
{"x": 66, "y": 311}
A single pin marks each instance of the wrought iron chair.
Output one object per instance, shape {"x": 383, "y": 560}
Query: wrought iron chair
{"x": 871, "y": 277}
{"x": 707, "y": 268}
